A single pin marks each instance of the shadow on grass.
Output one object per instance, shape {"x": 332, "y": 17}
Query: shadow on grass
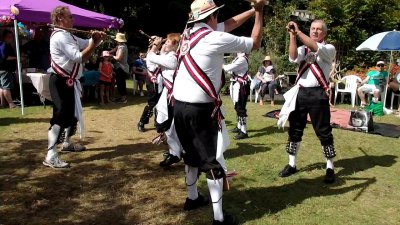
{"x": 98, "y": 189}
{"x": 245, "y": 149}
{"x": 357, "y": 164}
{"x": 6, "y": 121}
{"x": 265, "y": 131}
{"x": 261, "y": 201}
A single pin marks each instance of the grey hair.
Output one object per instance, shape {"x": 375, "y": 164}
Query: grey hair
{"x": 324, "y": 27}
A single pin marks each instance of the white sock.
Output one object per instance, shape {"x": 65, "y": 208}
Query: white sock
{"x": 191, "y": 180}
{"x": 243, "y": 127}
{"x": 52, "y": 141}
{"x": 329, "y": 163}
{"x": 67, "y": 138}
{"x": 239, "y": 126}
{"x": 215, "y": 188}
{"x": 292, "y": 160}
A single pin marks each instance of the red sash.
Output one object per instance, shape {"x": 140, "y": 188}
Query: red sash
{"x": 153, "y": 75}
{"x": 201, "y": 77}
{"x": 315, "y": 70}
{"x": 62, "y": 72}
{"x": 246, "y": 77}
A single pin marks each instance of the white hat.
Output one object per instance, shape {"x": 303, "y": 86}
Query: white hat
{"x": 200, "y": 9}
{"x": 120, "y": 37}
{"x": 380, "y": 62}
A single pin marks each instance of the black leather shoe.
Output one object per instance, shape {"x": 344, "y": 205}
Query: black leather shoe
{"x": 241, "y": 135}
{"x": 329, "y": 176}
{"x": 287, "y": 171}
{"x": 140, "y": 127}
{"x": 228, "y": 220}
{"x": 169, "y": 160}
{"x": 235, "y": 130}
{"x": 195, "y": 204}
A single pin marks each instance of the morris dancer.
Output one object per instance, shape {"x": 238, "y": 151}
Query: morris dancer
{"x": 167, "y": 63}
{"x": 153, "y": 93}
{"x": 66, "y": 61}
{"x": 310, "y": 95}
{"x": 239, "y": 89}
{"x": 198, "y": 118}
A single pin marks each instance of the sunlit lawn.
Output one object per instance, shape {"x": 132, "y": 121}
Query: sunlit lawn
{"x": 118, "y": 180}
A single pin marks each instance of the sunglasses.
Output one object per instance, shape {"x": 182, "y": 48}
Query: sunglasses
{"x": 380, "y": 65}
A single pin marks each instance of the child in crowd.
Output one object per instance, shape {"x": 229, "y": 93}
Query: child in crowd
{"x": 106, "y": 75}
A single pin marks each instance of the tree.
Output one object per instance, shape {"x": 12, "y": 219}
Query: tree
{"x": 351, "y": 22}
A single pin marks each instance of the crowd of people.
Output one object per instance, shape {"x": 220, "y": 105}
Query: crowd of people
{"x": 183, "y": 78}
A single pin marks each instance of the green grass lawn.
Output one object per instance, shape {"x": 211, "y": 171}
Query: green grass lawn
{"x": 118, "y": 180}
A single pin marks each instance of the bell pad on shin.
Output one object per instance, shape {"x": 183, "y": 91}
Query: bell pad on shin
{"x": 329, "y": 151}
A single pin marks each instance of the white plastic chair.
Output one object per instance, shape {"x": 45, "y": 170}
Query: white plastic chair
{"x": 252, "y": 88}
{"x": 135, "y": 84}
{"x": 350, "y": 87}
{"x": 391, "y": 101}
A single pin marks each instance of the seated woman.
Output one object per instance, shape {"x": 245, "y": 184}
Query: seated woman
{"x": 394, "y": 87}
{"x": 266, "y": 73}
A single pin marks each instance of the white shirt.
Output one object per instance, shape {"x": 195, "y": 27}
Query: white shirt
{"x": 209, "y": 55}
{"x": 268, "y": 74}
{"x": 326, "y": 53}
{"x": 239, "y": 66}
{"x": 167, "y": 62}
{"x": 65, "y": 51}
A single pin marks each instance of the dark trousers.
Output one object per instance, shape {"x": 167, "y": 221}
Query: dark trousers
{"x": 120, "y": 79}
{"x": 63, "y": 102}
{"x": 164, "y": 126}
{"x": 152, "y": 100}
{"x": 198, "y": 134}
{"x": 315, "y": 102}
{"x": 240, "y": 106}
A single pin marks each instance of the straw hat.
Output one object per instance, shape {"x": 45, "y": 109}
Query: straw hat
{"x": 200, "y": 9}
{"x": 120, "y": 37}
{"x": 267, "y": 58}
{"x": 105, "y": 54}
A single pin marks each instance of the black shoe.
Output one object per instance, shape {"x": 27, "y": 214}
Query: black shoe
{"x": 287, "y": 171}
{"x": 169, "y": 160}
{"x": 329, "y": 176}
{"x": 140, "y": 127}
{"x": 228, "y": 220}
{"x": 195, "y": 204}
{"x": 235, "y": 130}
{"x": 241, "y": 135}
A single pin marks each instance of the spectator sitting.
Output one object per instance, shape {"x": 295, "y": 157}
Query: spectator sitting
{"x": 266, "y": 73}
{"x": 90, "y": 78}
{"x": 140, "y": 70}
{"x": 394, "y": 87}
{"x": 371, "y": 84}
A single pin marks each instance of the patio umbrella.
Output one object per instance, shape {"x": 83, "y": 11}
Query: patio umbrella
{"x": 385, "y": 41}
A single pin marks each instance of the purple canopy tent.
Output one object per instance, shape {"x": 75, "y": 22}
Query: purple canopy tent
{"x": 38, "y": 11}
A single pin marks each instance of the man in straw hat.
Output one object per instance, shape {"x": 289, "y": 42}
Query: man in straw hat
{"x": 198, "y": 118}
{"x": 310, "y": 95}
{"x": 67, "y": 54}
{"x": 121, "y": 66}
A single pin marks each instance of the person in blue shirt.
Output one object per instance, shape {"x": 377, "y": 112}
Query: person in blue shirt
{"x": 372, "y": 83}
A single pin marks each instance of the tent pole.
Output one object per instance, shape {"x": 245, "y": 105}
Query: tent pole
{"x": 387, "y": 79}
{"x": 21, "y": 92}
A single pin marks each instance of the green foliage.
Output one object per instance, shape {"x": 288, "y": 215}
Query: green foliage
{"x": 352, "y": 22}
